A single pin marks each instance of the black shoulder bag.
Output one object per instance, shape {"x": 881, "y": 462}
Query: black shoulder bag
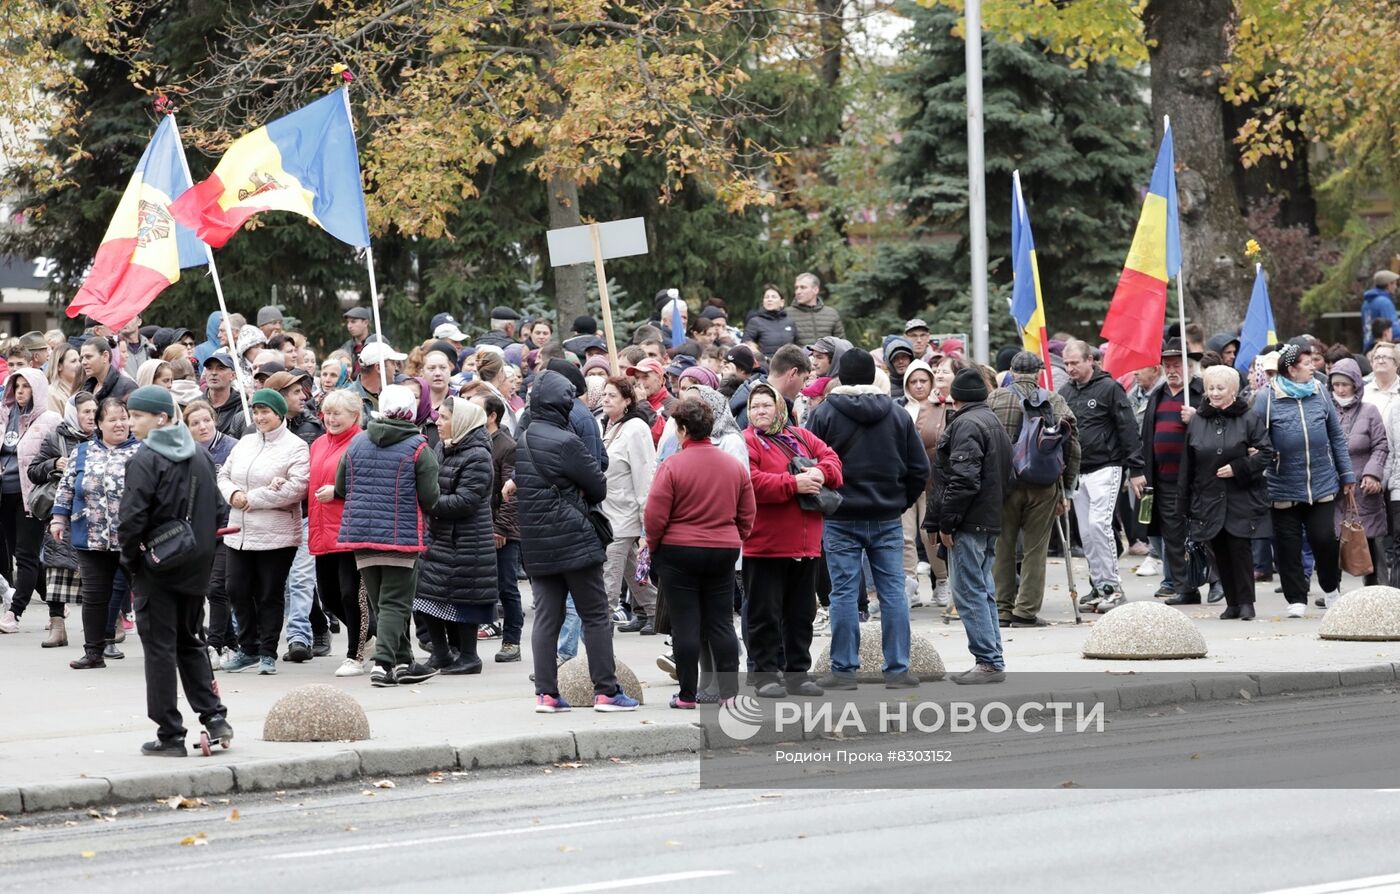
{"x": 601, "y": 526}
{"x": 172, "y": 543}
{"x": 826, "y": 501}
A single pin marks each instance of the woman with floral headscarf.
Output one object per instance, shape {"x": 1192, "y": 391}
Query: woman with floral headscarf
{"x": 1311, "y": 468}
{"x": 782, "y": 553}
{"x": 457, "y": 575}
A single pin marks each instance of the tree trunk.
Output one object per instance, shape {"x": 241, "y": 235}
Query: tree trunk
{"x": 570, "y": 283}
{"x": 1187, "y": 42}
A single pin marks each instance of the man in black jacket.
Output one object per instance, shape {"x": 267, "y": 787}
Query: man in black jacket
{"x": 1109, "y": 441}
{"x": 973, "y": 471}
{"x": 169, "y": 479}
{"x": 1169, "y": 407}
{"x": 885, "y": 468}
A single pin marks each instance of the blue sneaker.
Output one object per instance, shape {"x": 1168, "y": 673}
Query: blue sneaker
{"x": 619, "y": 702}
{"x": 551, "y": 704}
{"x": 267, "y": 666}
{"x": 239, "y": 661}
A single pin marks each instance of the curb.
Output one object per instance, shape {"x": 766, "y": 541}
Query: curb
{"x": 378, "y": 761}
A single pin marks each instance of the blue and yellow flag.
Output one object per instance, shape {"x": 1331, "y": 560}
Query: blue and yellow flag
{"x": 1027, "y": 304}
{"x": 1258, "y": 330}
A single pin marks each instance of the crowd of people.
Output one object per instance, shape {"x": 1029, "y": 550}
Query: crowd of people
{"x": 241, "y": 504}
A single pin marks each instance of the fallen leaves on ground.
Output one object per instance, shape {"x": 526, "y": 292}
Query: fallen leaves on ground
{"x": 385, "y": 783}
{"x": 198, "y": 839}
{"x": 1244, "y": 694}
{"x": 88, "y": 855}
{"x": 180, "y": 802}
{"x": 569, "y": 765}
{"x": 233, "y": 816}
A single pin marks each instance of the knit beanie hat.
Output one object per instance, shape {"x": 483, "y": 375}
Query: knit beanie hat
{"x": 268, "y": 398}
{"x": 969, "y": 387}
{"x": 858, "y": 368}
{"x": 153, "y": 399}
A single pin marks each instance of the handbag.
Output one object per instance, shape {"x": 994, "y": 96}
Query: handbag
{"x": 1199, "y": 560}
{"x": 1356, "y": 551}
{"x": 826, "y": 501}
{"x": 41, "y": 500}
{"x": 602, "y": 528}
{"x": 172, "y": 543}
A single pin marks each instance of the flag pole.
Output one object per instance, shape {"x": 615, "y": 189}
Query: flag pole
{"x": 369, "y": 263}
{"x": 218, "y": 291}
{"x": 1180, "y": 295}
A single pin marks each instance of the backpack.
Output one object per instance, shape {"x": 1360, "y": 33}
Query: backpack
{"x": 1038, "y": 456}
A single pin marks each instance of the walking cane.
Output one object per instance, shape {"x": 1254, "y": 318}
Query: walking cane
{"x": 1062, "y": 525}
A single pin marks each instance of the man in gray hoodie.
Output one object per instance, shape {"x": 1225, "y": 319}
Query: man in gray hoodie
{"x": 170, "y": 480}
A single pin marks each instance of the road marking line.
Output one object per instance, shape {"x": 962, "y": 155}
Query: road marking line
{"x": 1376, "y": 884}
{"x": 499, "y": 833}
{"x": 631, "y": 882}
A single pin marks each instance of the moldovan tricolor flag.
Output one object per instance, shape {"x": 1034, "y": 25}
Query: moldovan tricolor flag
{"x": 144, "y": 249}
{"x": 305, "y": 162}
{"x": 1133, "y": 326}
{"x": 1027, "y": 305}
{"x": 1258, "y": 330}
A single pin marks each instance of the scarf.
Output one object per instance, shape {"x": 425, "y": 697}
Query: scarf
{"x": 425, "y": 413}
{"x": 467, "y": 417}
{"x": 1291, "y": 388}
{"x": 780, "y": 417}
{"x": 1344, "y": 401}
{"x": 724, "y": 419}
{"x": 146, "y": 372}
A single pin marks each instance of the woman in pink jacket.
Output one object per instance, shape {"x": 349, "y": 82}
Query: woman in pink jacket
{"x": 264, "y": 481}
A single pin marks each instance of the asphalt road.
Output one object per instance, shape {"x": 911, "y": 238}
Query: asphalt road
{"x": 647, "y": 825}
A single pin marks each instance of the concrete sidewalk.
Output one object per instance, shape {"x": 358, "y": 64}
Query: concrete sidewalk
{"x": 71, "y": 738}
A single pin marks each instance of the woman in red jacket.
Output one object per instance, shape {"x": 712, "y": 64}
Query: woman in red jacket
{"x": 336, "y": 576}
{"x": 782, "y": 555}
{"x": 699, "y": 512}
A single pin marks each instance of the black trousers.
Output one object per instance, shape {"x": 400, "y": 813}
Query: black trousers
{"x": 168, "y": 620}
{"x": 98, "y": 569}
{"x": 591, "y": 603}
{"x": 699, "y": 585}
{"x": 1318, "y": 519}
{"x": 221, "y": 632}
{"x": 257, "y": 587}
{"x": 338, "y": 583}
{"x": 782, "y": 606}
{"x": 1234, "y": 560}
{"x": 29, "y": 574}
{"x": 1171, "y": 525}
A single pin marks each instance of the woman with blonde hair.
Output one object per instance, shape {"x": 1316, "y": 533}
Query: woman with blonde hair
{"x": 65, "y": 377}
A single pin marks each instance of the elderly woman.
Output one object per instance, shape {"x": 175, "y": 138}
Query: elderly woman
{"x": 1369, "y": 449}
{"x": 457, "y": 573}
{"x": 85, "y": 515}
{"x": 1311, "y": 468}
{"x": 782, "y": 555}
{"x": 264, "y": 481}
{"x": 1228, "y": 498}
{"x": 698, "y": 515}
{"x": 631, "y": 463}
{"x": 60, "y": 561}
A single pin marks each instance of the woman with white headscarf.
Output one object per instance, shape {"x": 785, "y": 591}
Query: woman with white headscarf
{"x": 457, "y": 575}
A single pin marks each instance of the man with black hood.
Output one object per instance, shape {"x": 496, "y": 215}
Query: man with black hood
{"x": 170, "y": 480}
{"x": 885, "y": 469}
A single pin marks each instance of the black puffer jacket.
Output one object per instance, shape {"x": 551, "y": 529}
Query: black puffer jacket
{"x": 460, "y": 564}
{"x": 505, "y": 514}
{"x": 556, "y": 480}
{"x": 972, "y": 473}
{"x": 1240, "y": 503}
{"x": 158, "y": 491}
{"x": 306, "y": 426}
{"x": 770, "y": 329}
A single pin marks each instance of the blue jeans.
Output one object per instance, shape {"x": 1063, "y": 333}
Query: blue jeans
{"x": 882, "y": 542}
{"x": 570, "y": 630}
{"x": 974, "y": 593}
{"x": 301, "y": 593}
{"x": 508, "y": 590}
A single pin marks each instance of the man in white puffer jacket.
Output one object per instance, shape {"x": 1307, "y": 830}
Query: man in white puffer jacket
{"x": 264, "y": 480}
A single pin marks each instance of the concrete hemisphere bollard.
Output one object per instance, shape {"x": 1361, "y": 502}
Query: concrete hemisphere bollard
{"x": 924, "y": 660}
{"x": 577, "y": 687}
{"x": 1366, "y": 614}
{"x": 1144, "y": 631}
{"x": 316, "y": 713}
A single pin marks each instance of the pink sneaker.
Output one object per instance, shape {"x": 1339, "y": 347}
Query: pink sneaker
{"x": 551, "y": 704}
{"x": 681, "y": 704}
{"x": 127, "y": 624}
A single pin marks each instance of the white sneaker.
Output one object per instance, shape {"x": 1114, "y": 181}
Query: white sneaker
{"x": 911, "y": 592}
{"x": 1297, "y": 609}
{"x": 922, "y": 568}
{"x": 1148, "y": 568}
{"x": 350, "y": 667}
{"x": 9, "y": 623}
{"x": 821, "y": 624}
{"x": 1329, "y": 599}
{"x": 941, "y": 593}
